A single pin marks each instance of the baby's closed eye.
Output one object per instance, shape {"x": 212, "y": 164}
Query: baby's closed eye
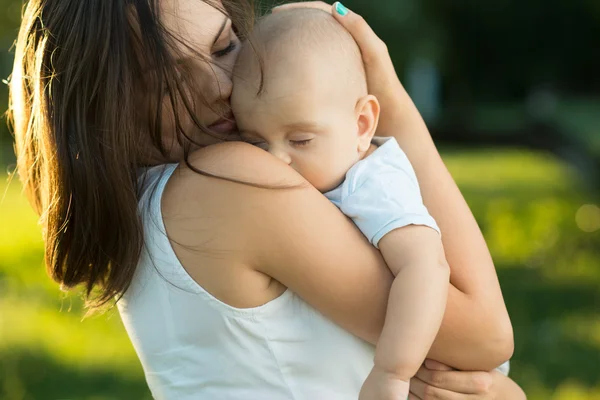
{"x": 299, "y": 139}
{"x": 300, "y": 143}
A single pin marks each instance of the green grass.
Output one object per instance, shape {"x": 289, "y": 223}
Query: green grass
{"x": 528, "y": 204}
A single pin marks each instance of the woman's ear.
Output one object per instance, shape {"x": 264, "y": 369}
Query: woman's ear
{"x": 367, "y": 118}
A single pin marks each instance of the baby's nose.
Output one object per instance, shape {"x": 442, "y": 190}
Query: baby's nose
{"x": 282, "y": 155}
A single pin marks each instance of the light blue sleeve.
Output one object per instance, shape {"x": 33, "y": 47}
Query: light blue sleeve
{"x": 504, "y": 369}
{"x": 381, "y": 193}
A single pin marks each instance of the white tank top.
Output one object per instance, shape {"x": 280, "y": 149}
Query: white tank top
{"x": 193, "y": 346}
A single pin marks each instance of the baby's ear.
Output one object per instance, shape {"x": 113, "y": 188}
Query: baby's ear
{"x": 367, "y": 118}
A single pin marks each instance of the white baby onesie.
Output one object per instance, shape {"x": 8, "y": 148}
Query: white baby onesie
{"x": 381, "y": 193}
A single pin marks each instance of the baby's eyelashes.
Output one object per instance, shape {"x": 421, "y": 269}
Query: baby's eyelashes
{"x": 293, "y": 143}
{"x": 300, "y": 143}
{"x": 299, "y": 139}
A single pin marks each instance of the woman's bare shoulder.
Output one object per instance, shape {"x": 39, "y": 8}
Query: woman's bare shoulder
{"x": 204, "y": 216}
{"x": 231, "y": 180}
{"x": 242, "y": 162}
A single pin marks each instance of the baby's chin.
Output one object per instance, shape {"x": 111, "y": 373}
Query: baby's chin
{"x": 327, "y": 184}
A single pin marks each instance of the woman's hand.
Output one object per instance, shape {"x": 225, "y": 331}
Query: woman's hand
{"x": 437, "y": 381}
{"x": 381, "y": 75}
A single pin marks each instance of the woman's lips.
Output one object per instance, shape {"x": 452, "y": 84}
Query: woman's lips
{"x": 224, "y": 126}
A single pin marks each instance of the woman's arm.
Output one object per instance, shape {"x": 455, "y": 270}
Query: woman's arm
{"x": 475, "y": 313}
{"x": 299, "y": 238}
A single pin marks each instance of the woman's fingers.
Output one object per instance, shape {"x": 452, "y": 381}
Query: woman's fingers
{"x": 372, "y": 47}
{"x": 423, "y": 391}
{"x": 412, "y": 396}
{"x": 457, "y": 381}
{"x": 436, "y": 366}
{"x": 374, "y": 51}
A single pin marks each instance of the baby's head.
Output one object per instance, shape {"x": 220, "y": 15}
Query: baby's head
{"x": 300, "y": 93}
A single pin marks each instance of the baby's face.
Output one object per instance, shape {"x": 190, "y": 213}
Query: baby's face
{"x": 301, "y": 120}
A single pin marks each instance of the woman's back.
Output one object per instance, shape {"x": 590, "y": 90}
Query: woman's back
{"x": 194, "y": 346}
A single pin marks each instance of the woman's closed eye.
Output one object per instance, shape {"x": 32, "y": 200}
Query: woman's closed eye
{"x": 226, "y": 40}
{"x": 223, "y": 52}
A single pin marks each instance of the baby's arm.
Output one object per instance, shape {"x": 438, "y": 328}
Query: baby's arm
{"x": 417, "y": 299}
{"x": 382, "y": 196}
{"x": 415, "y": 309}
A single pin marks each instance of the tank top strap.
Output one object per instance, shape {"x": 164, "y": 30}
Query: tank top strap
{"x": 158, "y": 252}
{"x": 154, "y": 179}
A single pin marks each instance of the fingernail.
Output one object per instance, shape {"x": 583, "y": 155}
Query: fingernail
{"x": 341, "y": 9}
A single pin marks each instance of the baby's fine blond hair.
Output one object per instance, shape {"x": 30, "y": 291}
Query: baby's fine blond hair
{"x": 302, "y": 35}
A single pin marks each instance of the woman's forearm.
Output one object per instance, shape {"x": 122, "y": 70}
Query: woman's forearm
{"x": 469, "y": 338}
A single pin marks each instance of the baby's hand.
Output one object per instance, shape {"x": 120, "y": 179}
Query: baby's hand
{"x": 381, "y": 385}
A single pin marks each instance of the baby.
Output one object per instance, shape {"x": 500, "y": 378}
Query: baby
{"x": 300, "y": 93}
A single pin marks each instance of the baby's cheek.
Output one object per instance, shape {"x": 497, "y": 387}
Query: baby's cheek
{"x": 327, "y": 177}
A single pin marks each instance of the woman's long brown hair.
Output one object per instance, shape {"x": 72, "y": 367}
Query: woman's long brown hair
{"x": 80, "y": 66}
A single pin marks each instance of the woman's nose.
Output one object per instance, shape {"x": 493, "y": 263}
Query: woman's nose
{"x": 225, "y": 87}
{"x": 223, "y": 84}
{"x": 281, "y": 154}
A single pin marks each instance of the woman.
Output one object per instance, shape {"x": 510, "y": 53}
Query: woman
{"x": 114, "y": 105}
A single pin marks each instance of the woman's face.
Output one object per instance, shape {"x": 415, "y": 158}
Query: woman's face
{"x": 201, "y": 29}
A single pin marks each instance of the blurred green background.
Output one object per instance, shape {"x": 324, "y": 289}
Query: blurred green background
{"x": 511, "y": 92}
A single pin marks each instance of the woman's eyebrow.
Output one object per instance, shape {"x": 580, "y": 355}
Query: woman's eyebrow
{"x": 220, "y": 32}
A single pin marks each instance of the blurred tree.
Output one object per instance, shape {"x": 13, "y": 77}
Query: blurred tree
{"x": 495, "y": 49}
